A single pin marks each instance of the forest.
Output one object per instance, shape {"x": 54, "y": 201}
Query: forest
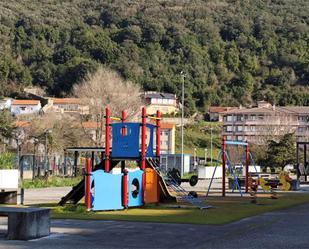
{"x": 233, "y": 52}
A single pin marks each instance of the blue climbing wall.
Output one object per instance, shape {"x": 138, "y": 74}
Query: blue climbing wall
{"x": 136, "y": 197}
{"x": 150, "y": 130}
{"x": 106, "y": 194}
{"x": 125, "y": 145}
{"x": 128, "y": 145}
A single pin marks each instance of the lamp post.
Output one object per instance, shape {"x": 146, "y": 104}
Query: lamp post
{"x": 35, "y": 142}
{"x": 48, "y": 131}
{"x": 182, "y": 118}
{"x": 211, "y": 146}
{"x": 194, "y": 161}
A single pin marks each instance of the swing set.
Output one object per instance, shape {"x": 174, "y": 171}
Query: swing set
{"x": 228, "y": 166}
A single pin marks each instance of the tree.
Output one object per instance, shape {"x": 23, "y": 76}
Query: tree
{"x": 106, "y": 88}
{"x": 281, "y": 153}
{"x": 60, "y": 130}
{"x": 6, "y": 124}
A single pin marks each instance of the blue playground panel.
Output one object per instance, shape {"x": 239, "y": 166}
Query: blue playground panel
{"x": 128, "y": 145}
{"x": 135, "y": 182}
{"x": 149, "y": 151}
{"x": 107, "y": 191}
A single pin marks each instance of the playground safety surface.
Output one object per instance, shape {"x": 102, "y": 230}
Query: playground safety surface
{"x": 281, "y": 229}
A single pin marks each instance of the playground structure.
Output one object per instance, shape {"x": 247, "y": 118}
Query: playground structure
{"x": 302, "y": 165}
{"x": 229, "y": 166}
{"x": 251, "y": 178}
{"x": 133, "y": 142}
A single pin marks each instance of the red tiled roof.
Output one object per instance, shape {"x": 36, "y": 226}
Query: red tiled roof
{"x": 218, "y": 109}
{"x": 90, "y": 125}
{"x": 167, "y": 126}
{"x": 66, "y": 101}
{"x": 21, "y": 124}
{"x": 25, "y": 102}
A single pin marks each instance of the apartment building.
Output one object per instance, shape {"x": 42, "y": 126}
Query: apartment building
{"x": 168, "y": 134}
{"x": 265, "y": 122}
{"x": 166, "y": 103}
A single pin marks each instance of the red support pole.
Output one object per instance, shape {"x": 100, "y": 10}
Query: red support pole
{"x": 123, "y": 120}
{"x": 125, "y": 194}
{"x": 143, "y": 143}
{"x": 87, "y": 185}
{"x": 107, "y": 138}
{"x": 123, "y": 133}
{"x": 247, "y": 167}
{"x": 143, "y": 151}
{"x": 158, "y": 133}
{"x": 223, "y": 165}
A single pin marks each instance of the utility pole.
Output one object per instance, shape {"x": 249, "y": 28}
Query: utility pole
{"x": 211, "y": 146}
{"x": 182, "y": 119}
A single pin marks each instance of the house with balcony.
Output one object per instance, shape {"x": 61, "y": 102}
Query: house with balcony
{"x": 25, "y": 106}
{"x": 265, "y": 122}
{"x": 165, "y": 102}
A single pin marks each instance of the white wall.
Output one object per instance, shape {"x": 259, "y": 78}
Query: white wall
{"x": 25, "y": 109}
{"x": 207, "y": 172}
{"x": 8, "y": 179}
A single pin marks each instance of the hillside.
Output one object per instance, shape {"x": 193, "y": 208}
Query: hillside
{"x": 233, "y": 51}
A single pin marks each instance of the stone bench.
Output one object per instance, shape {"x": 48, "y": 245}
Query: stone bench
{"x": 26, "y": 223}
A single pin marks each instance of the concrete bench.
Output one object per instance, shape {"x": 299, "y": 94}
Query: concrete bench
{"x": 26, "y": 223}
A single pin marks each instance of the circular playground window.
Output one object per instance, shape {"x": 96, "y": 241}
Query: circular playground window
{"x": 135, "y": 188}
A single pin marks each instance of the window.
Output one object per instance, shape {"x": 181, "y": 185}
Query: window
{"x": 23, "y": 108}
{"x": 165, "y": 101}
{"x": 239, "y": 138}
{"x": 253, "y": 117}
{"x": 261, "y": 117}
{"x": 229, "y": 137}
{"x": 301, "y": 129}
{"x": 239, "y": 118}
{"x": 229, "y": 118}
{"x": 239, "y": 128}
{"x": 229, "y": 128}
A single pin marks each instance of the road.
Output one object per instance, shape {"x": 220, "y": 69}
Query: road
{"x": 283, "y": 229}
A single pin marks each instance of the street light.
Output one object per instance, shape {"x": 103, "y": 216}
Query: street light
{"x": 48, "y": 131}
{"x": 182, "y": 117}
{"x": 211, "y": 146}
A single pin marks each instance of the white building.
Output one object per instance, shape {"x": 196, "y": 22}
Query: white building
{"x": 23, "y": 106}
{"x": 5, "y": 103}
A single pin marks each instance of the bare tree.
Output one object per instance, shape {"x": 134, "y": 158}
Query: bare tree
{"x": 61, "y": 131}
{"x": 106, "y": 88}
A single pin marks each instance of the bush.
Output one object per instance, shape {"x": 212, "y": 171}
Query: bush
{"x": 6, "y": 160}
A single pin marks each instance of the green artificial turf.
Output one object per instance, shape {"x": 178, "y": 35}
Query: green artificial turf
{"x": 224, "y": 210}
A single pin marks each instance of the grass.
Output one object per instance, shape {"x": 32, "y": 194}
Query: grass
{"x": 52, "y": 181}
{"x": 225, "y": 210}
{"x": 198, "y": 136}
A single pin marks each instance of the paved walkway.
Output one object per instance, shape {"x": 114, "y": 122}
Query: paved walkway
{"x": 285, "y": 229}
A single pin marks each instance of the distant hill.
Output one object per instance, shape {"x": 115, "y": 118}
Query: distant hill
{"x": 233, "y": 51}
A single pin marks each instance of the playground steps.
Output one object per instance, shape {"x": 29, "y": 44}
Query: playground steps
{"x": 181, "y": 194}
